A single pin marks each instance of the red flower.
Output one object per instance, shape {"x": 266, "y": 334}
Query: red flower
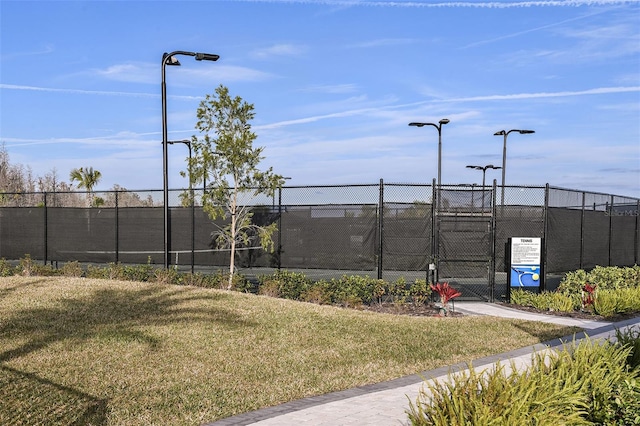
{"x": 446, "y": 293}
{"x": 589, "y": 299}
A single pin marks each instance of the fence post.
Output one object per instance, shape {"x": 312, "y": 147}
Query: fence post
{"x": 380, "y": 227}
{"x": 46, "y": 242}
{"x": 116, "y": 212}
{"x": 545, "y": 230}
{"x": 584, "y": 194}
{"x": 637, "y": 238}
{"x": 492, "y": 239}
{"x": 435, "y": 229}
{"x": 610, "y": 228}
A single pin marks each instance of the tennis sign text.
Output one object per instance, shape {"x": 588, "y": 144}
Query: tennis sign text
{"x": 526, "y": 259}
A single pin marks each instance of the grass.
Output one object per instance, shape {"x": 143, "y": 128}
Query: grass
{"x": 85, "y": 351}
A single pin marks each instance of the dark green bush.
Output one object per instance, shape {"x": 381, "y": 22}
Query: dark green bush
{"x": 604, "y": 277}
{"x": 71, "y": 269}
{"x": 6, "y": 269}
{"x": 288, "y": 285}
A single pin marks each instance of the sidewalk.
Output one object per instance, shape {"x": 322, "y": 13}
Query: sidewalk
{"x": 384, "y": 404}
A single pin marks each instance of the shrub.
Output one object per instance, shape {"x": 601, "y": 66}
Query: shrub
{"x": 585, "y": 383}
{"x": 167, "y": 276}
{"x": 604, "y": 277}
{"x": 6, "y": 270}
{"x": 269, "y": 288}
{"x": 71, "y": 269}
{"x": 354, "y": 290}
{"x": 286, "y": 284}
{"x": 546, "y": 300}
{"x": 398, "y": 291}
{"x": 319, "y": 292}
{"x": 419, "y": 292}
{"x": 28, "y": 268}
{"x": 606, "y": 303}
{"x": 630, "y": 338}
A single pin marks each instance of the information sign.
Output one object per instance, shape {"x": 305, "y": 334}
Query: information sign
{"x": 526, "y": 257}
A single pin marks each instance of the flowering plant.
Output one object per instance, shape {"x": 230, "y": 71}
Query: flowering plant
{"x": 588, "y": 295}
{"x": 446, "y": 293}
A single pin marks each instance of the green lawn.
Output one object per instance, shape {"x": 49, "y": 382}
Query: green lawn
{"x": 128, "y": 353}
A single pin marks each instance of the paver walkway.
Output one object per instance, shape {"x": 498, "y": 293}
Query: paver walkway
{"x": 384, "y": 404}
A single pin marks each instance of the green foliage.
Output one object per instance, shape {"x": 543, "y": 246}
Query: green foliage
{"x": 27, "y": 267}
{"x": 71, "y": 269}
{"x": 319, "y": 292}
{"x": 285, "y": 284}
{"x": 604, "y": 277}
{"x": 620, "y": 301}
{"x": 585, "y": 383}
{"x": 6, "y": 269}
{"x": 419, "y": 292}
{"x": 630, "y": 338}
{"x": 228, "y": 163}
{"x": 354, "y": 290}
{"x": 546, "y": 301}
{"x": 167, "y": 276}
{"x": 398, "y": 291}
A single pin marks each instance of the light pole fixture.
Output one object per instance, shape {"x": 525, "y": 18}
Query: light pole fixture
{"x": 435, "y": 227}
{"x": 484, "y": 172}
{"x": 170, "y": 59}
{"x": 439, "y": 128}
{"x": 187, "y": 142}
{"x": 505, "y": 133}
{"x": 284, "y": 179}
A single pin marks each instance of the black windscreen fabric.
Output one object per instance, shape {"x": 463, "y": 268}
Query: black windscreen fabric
{"x": 407, "y": 243}
{"x": 596, "y": 239}
{"x": 333, "y": 229}
{"x": 623, "y": 240}
{"x": 334, "y": 237}
{"x": 563, "y": 240}
{"x": 85, "y": 235}
{"x": 141, "y": 235}
{"x": 22, "y": 232}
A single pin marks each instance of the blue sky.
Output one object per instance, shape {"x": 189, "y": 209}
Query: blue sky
{"x": 334, "y": 85}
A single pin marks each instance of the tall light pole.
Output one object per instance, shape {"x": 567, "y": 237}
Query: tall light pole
{"x": 436, "y": 224}
{"x": 484, "y": 171}
{"x": 187, "y": 142}
{"x": 504, "y": 152}
{"x": 169, "y": 59}
{"x": 439, "y": 128}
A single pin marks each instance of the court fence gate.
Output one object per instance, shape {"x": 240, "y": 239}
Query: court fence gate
{"x": 453, "y": 233}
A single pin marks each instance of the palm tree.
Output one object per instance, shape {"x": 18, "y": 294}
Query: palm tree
{"x": 87, "y": 178}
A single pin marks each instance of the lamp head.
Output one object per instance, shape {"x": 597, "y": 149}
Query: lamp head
{"x": 417, "y": 124}
{"x": 171, "y": 60}
{"x": 206, "y": 57}
{"x": 526, "y": 132}
{"x": 444, "y": 121}
{"x": 500, "y": 133}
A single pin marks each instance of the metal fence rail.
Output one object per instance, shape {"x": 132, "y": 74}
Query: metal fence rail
{"x": 384, "y": 230}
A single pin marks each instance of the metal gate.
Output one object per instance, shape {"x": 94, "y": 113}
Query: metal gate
{"x": 465, "y": 242}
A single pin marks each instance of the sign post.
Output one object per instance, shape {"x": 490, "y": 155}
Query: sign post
{"x": 525, "y": 264}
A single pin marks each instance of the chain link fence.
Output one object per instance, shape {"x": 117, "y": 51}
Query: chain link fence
{"x": 384, "y": 230}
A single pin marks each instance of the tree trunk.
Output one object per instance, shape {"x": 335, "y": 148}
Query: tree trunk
{"x": 232, "y": 257}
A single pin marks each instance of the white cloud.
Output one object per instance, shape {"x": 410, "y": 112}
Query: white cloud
{"x": 279, "y": 50}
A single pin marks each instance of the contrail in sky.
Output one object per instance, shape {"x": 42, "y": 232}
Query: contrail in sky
{"x": 451, "y": 4}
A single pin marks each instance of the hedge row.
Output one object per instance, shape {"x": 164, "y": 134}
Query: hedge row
{"x": 584, "y": 384}
{"x": 605, "y": 291}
